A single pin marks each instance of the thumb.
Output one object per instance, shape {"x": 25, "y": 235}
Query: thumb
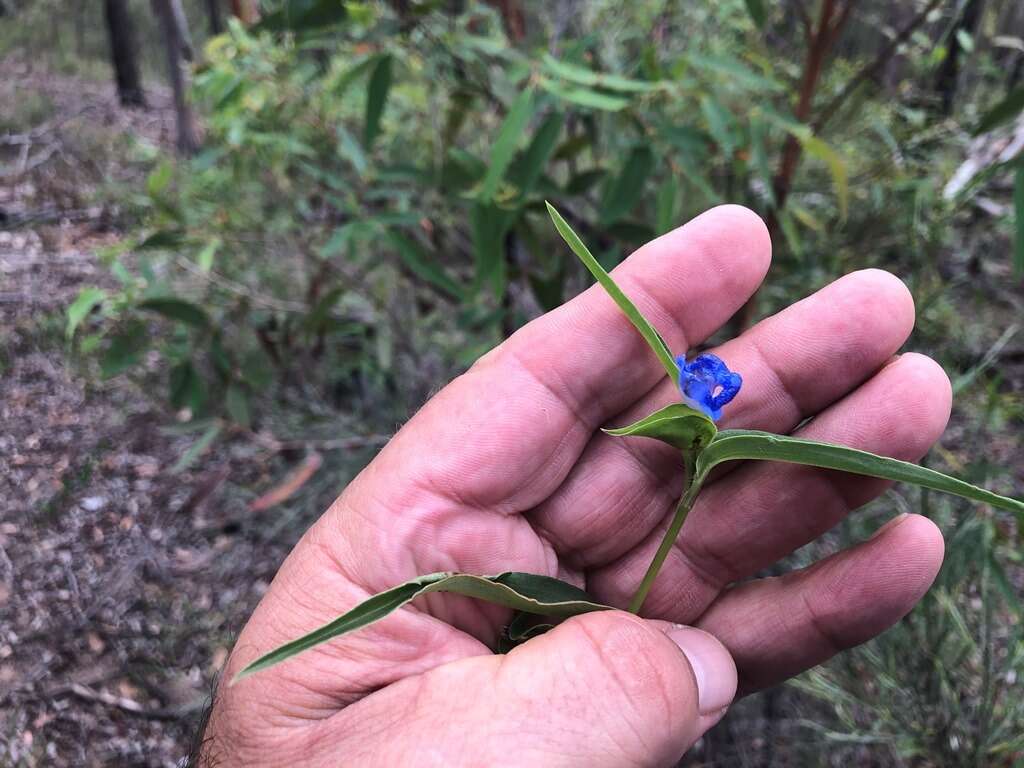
{"x": 602, "y": 689}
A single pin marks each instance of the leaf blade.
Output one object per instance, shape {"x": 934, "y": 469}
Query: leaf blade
{"x": 87, "y": 300}
{"x": 418, "y": 261}
{"x": 376, "y": 97}
{"x": 736, "y": 445}
{"x": 505, "y": 145}
{"x": 651, "y": 336}
{"x": 527, "y": 592}
{"x": 1003, "y": 112}
{"x": 626, "y": 188}
{"x": 177, "y": 309}
{"x": 677, "y": 424}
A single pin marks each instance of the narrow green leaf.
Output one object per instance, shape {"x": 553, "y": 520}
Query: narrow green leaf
{"x": 583, "y": 97}
{"x": 423, "y": 264}
{"x": 581, "y": 182}
{"x": 376, "y": 97}
{"x": 525, "y": 626}
{"x": 624, "y": 192}
{"x": 677, "y": 424}
{"x": 651, "y": 336}
{"x": 733, "y": 445}
{"x": 177, "y": 309}
{"x": 836, "y": 166}
{"x": 665, "y": 206}
{"x": 162, "y": 240}
{"x": 505, "y": 145}
{"x": 87, "y": 300}
{"x": 541, "y": 595}
{"x": 125, "y": 349}
{"x": 236, "y": 402}
{"x": 197, "y": 448}
{"x": 720, "y": 124}
{"x": 527, "y": 171}
{"x": 756, "y": 10}
{"x": 350, "y": 150}
{"x": 962, "y": 382}
{"x": 735, "y": 72}
{"x": 1018, "y": 220}
{"x": 204, "y": 259}
{"x": 353, "y": 73}
{"x": 185, "y": 387}
{"x": 158, "y": 180}
{"x": 489, "y": 225}
{"x": 1003, "y": 112}
{"x": 575, "y": 73}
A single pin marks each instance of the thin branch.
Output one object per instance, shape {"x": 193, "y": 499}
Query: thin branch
{"x": 132, "y": 706}
{"x": 870, "y": 71}
{"x": 805, "y": 19}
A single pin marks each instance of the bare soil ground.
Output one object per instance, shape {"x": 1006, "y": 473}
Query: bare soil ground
{"x": 121, "y": 584}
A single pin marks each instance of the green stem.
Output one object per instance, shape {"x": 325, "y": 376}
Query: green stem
{"x": 671, "y": 534}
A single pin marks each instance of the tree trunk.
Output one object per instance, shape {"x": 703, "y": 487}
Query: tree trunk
{"x": 216, "y": 22}
{"x": 247, "y": 11}
{"x": 171, "y": 18}
{"x": 123, "y": 53}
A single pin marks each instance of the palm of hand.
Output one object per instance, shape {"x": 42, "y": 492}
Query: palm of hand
{"x": 506, "y": 469}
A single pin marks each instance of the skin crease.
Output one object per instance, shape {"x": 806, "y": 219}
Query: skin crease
{"x": 506, "y": 469}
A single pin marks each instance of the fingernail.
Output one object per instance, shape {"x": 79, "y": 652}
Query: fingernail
{"x": 891, "y": 524}
{"x": 712, "y": 666}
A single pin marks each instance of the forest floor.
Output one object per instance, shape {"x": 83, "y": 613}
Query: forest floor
{"x": 122, "y": 581}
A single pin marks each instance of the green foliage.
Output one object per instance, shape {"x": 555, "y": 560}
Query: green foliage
{"x": 525, "y": 592}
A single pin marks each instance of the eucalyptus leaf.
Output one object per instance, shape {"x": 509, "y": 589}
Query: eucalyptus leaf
{"x": 197, "y": 448}
{"x": 505, "y": 145}
{"x": 677, "y": 424}
{"x": 575, "y": 73}
{"x": 526, "y": 173}
{"x": 651, "y": 336}
{"x": 837, "y": 167}
{"x": 735, "y": 445}
{"x": 177, "y": 309}
{"x": 527, "y": 592}
{"x": 757, "y": 11}
{"x": 625, "y": 190}
{"x": 423, "y": 264}
{"x": 584, "y": 97}
{"x": 376, "y": 97}
{"x": 1003, "y": 112}
{"x": 87, "y": 300}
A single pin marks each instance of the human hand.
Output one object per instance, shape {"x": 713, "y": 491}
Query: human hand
{"x": 506, "y": 469}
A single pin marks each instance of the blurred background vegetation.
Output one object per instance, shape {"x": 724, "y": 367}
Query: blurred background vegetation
{"x": 340, "y": 206}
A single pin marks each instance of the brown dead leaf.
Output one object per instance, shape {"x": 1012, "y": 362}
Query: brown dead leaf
{"x": 292, "y": 483}
{"x": 95, "y": 642}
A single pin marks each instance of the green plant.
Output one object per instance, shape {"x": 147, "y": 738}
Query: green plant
{"x": 692, "y": 431}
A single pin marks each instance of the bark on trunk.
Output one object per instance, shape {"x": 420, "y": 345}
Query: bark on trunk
{"x": 123, "y": 53}
{"x": 171, "y": 20}
{"x": 949, "y": 71}
{"x": 247, "y": 11}
{"x": 215, "y": 20}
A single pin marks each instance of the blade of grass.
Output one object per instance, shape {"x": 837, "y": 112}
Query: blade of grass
{"x": 651, "y": 336}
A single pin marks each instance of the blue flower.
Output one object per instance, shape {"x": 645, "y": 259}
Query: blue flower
{"x": 707, "y": 384}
